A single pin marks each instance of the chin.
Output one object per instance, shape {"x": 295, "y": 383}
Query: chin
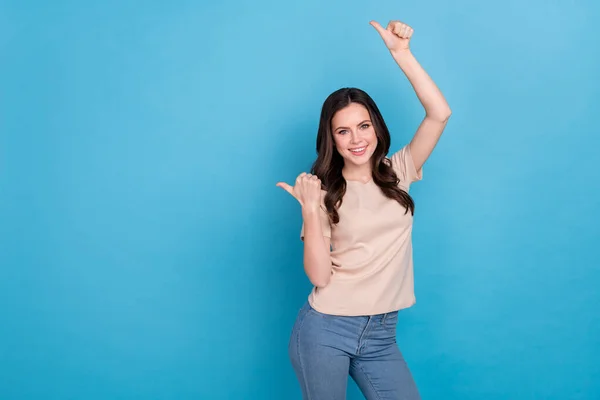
{"x": 359, "y": 160}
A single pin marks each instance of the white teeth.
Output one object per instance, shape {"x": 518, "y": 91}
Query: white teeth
{"x": 358, "y": 150}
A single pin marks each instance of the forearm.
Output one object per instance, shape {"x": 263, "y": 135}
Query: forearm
{"x": 432, "y": 99}
{"x": 317, "y": 260}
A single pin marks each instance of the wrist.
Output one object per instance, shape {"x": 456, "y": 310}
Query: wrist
{"x": 399, "y": 54}
{"x": 308, "y": 212}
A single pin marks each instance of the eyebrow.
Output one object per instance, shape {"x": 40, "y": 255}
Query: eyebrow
{"x": 345, "y": 127}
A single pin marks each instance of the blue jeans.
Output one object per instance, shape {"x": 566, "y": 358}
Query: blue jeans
{"x": 324, "y": 349}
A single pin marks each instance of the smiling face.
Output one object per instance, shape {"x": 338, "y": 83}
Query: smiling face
{"x": 354, "y": 137}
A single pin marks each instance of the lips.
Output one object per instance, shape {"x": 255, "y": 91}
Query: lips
{"x": 358, "y": 151}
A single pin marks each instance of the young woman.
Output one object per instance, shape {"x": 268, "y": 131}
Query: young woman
{"x": 357, "y": 223}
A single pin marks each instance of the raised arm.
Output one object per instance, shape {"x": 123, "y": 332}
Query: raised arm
{"x": 437, "y": 111}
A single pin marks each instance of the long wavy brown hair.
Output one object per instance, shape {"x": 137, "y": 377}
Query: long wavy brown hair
{"x": 329, "y": 163}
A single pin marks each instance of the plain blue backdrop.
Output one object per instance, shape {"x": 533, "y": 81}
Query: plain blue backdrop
{"x": 146, "y": 253}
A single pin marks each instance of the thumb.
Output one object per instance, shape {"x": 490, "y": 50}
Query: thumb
{"x": 377, "y": 26}
{"x": 286, "y": 187}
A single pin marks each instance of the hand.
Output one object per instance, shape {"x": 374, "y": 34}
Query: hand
{"x": 307, "y": 191}
{"x": 396, "y": 36}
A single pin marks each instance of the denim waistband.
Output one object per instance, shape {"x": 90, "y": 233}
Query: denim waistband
{"x": 375, "y": 317}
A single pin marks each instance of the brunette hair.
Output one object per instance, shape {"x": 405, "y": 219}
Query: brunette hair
{"x": 329, "y": 163}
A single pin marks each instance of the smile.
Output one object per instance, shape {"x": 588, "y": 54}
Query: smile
{"x": 359, "y": 150}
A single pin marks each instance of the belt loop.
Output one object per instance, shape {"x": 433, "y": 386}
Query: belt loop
{"x": 384, "y": 317}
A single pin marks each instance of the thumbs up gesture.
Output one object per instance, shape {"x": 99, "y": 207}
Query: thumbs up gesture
{"x": 395, "y": 36}
{"x": 307, "y": 190}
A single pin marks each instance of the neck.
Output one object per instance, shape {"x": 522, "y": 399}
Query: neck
{"x": 361, "y": 173}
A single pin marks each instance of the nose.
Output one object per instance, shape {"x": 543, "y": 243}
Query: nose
{"x": 354, "y": 137}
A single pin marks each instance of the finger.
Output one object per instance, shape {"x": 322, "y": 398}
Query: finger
{"x": 300, "y": 177}
{"x": 410, "y": 32}
{"x": 401, "y": 30}
{"x": 378, "y": 27}
{"x": 286, "y": 187}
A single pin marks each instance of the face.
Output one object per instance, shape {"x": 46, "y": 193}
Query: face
{"x": 353, "y": 134}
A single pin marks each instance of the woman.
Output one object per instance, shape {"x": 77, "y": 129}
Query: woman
{"x": 357, "y": 223}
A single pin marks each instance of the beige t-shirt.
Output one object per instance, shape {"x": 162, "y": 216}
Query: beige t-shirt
{"x": 372, "y": 270}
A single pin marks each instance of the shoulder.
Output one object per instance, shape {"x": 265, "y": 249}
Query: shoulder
{"x": 403, "y": 165}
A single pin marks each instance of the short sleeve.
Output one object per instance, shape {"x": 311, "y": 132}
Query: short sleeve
{"x": 404, "y": 166}
{"x": 323, "y": 216}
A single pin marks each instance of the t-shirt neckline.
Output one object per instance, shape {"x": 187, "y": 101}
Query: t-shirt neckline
{"x": 354, "y": 181}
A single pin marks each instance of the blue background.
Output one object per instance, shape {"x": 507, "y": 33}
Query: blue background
{"x": 146, "y": 253}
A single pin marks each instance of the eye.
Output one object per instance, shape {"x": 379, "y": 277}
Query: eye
{"x": 342, "y": 131}
{"x": 364, "y": 126}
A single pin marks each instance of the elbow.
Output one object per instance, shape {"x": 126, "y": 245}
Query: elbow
{"x": 320, "y": 281}
{"x": 441, "y": 116}
{"x": 446, "y": 115}
{"x": 318, "y": 271}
